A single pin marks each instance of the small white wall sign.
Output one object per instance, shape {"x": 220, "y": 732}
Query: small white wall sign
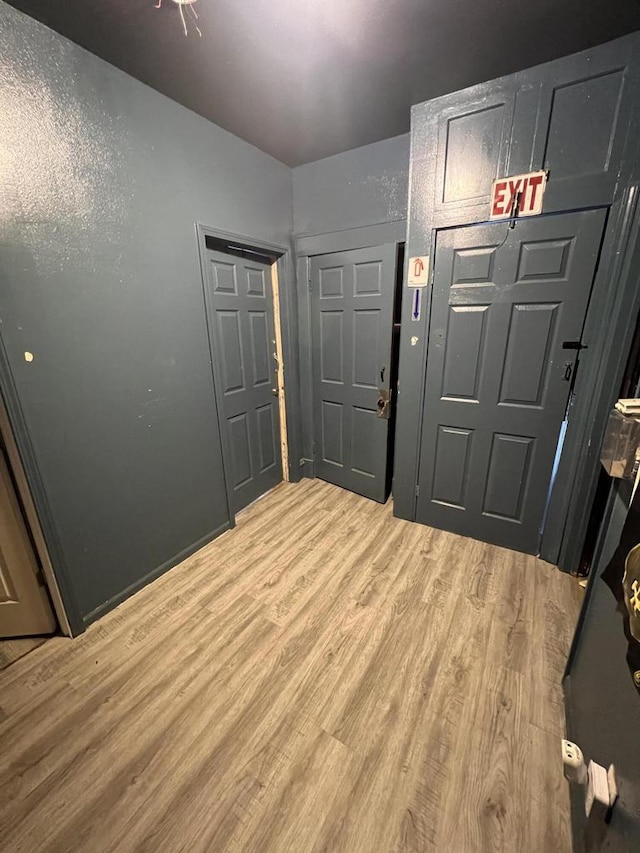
{"x": 519, "y": 195}
{"x": 418, "y": 271}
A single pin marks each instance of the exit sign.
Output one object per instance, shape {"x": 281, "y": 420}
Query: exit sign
{"x": 519, "y": 195}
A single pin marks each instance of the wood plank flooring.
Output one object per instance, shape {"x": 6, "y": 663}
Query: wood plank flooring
{"x": 325, "y": 677}
{"x": 16, "y": 648}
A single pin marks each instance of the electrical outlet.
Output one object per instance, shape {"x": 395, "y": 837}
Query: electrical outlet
{"x": 575, "y": 769}
{"x": 601, "y": 790}
{"x": 597, "y": 801}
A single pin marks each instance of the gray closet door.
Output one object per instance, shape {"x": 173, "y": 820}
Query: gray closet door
{"x": 240, "y": 309}
{"x": 352, "y": 327}
{"x": 498, "y": 377}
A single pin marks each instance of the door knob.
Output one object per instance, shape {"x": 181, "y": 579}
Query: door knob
{"x": 275, "y": 392}
{"x": 383, "y": 403}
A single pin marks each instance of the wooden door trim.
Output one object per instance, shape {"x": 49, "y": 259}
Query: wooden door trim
{"x": 28, "y": 611}
{"x": 52, "y": 557}
{"x": 280, "y": 370}
{"x": 352, "y": 238}
{"x": 32, "y": 519}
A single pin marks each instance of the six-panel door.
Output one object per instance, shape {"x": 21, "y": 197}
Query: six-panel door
{"x": 352, "y": 327}
{"x": 240, "y": 307}
{"x": 505, "y": 301}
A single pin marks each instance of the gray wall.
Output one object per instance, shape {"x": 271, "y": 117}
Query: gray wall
{"x": 103, "y": 180}
{"x": 365, "y": 186}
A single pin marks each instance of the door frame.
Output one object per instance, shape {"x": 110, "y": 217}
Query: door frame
{"x": 306, "y": 247}
{"x": 609, "y": 326}
{"x": 39, "y": 518}
{"x": 285, "y": 310}
{"x": 611, "y": 320}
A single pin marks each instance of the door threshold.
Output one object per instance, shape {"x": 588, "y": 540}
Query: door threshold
{"x": 14, "y": 649}
{"x": 259, "y": 498}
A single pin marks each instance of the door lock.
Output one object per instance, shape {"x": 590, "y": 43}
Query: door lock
{"x": 275, "y": 392}
{"x": 384, "y": 403}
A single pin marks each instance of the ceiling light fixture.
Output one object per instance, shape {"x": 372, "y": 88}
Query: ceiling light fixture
{"x": 189, "y": 5}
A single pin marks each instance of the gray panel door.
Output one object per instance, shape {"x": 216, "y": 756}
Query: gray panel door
{"x": 498, "y": 378}
{"x": 352, "y": 326}
{"x": 240, "y": 313}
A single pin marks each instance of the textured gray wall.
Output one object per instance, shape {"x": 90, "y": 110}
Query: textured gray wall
{"x": 365, "y": 186}
{"x": 102, "y": 180}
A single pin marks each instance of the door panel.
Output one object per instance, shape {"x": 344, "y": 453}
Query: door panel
{"x": 498, "y": 379}
{"x": 474, "y": 134}
{"x": 24, "y": 604}
{"x": 240, "y": 307}
{"x": 352, "y": 328}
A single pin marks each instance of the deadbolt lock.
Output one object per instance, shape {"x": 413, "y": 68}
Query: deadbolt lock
{"x": 384, "y": 403}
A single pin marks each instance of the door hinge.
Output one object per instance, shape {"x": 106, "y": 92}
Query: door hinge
{"x": 417, "y": 491}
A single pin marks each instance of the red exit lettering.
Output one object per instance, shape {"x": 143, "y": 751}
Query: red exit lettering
{"x": 519, "y": 195}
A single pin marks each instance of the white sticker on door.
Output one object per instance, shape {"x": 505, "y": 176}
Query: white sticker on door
{"x": 418, "y": 271}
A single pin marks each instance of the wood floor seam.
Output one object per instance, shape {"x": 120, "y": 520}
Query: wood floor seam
{"x": 323, "y": 677}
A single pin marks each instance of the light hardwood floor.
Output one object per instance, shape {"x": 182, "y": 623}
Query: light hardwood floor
{"x": 14, "y": 649}
{"x": 323, "y": 678}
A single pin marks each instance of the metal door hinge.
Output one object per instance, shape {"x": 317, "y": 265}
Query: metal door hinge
{"x": 417, "y": 491}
